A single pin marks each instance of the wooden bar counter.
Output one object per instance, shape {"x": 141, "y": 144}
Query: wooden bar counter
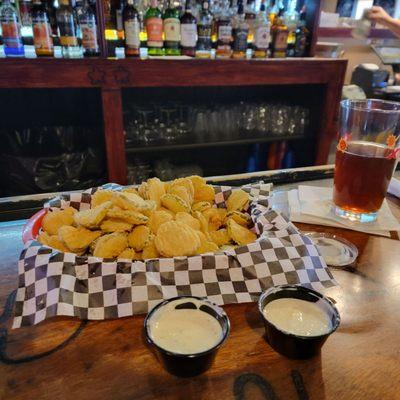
{"x": 64, "y": 358}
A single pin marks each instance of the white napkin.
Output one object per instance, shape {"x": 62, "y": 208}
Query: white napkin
{"x": 394, "y": 187}
{"x": 313, "y": 205}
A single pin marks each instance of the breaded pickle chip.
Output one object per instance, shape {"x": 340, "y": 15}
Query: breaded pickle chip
{"x": 53, "y": 220}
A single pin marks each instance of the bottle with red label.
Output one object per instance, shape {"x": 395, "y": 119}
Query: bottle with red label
{"x": 188, "y": 32}
{"x": 154, "y": 29}
{"x": 88, "y": 28}
{"x": 10, "y": 25}
{"x": 42, "y": 38}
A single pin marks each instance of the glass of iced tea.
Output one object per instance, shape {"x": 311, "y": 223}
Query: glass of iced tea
{"x": 366, "y": 157}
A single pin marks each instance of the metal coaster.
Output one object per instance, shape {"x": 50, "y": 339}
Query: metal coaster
{"x": 335, "y": 250}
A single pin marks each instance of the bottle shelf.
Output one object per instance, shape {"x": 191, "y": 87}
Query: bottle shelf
{"x": 197, "y": 145}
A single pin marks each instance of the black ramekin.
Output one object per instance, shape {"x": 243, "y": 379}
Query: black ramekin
{"x": 288, "y": 344}
{"x": 186, "y": 365}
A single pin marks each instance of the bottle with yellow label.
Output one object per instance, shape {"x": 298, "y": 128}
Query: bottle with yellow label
{"x": 67, "y": 26}
{"x": 42, "y": 38}
{"x": 279, "y": 33}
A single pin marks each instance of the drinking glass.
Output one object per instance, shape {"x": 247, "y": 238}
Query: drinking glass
{"x": 366, "y": 157}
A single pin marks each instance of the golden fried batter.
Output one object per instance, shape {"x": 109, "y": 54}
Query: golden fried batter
{"x": 140, "y": 237}
{"x": 187, "y": 219}
{"x": 220, "y": 237}
{"x": 240, "y": 217}
{"x": 111, "y": 245}
{"x": 53, "y": 220}
{"x": 78, "y": 239}
{"x": 128, "y": 254}
{"x": 174, "y": 203}
{"x": 150, "y": 251}
{"x": 240, "y": 234}
{"x": 129, "y": 216}
{"x": 238, "y": 200}
{"x": 176, "y": 239}
{"x": 101, "y": 196}
{"x": 155, "y": 190}
{"x": 204, "y": 193}
{"x": 92, "y": 218}
{"x": 157, "y": 219}
{"x": 52, "y": 241}
{"x": 115, "y": 225}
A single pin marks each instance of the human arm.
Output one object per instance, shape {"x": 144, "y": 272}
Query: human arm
{"x": 379, "y": 15}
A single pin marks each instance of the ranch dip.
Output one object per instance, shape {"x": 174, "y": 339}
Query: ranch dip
{"x": 184, "y": 331}
{"x": 298, "y": 317}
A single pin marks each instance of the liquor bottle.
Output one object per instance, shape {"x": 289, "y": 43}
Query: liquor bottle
{"x": 224, "y": 29}
{"x": 291, "y": 20}
{"x": 188, "y": 32}
{"x": 11, "y": 30}
{"x": 88, "y": 27}
{"x": 215, "y": 11}
{"x": 262, "y": 32}
{"x": 78, "y": 10}
{"x": 250, "y": 17}
{"x": 172, "y": 30}
{"x": 154, "y": 29}
{"x": 68, "y": 31}
{"x": 279, "y": 33}
{"x": 42, "y": 35}
{"x": 51, "y": 13}
{"x": 132, "y": 30}
{"x": 302, "y": 34}
{"x": 120, "y": 19}
{"x": 25, "y": 15}
{"x": 240, "y": 33}
{"x": 110, "y": 20}
{"x": 204, "y": 32}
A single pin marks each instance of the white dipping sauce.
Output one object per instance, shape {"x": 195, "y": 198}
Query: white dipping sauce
{"x": 299, "y": 317}
{"x": 184, "y": 331}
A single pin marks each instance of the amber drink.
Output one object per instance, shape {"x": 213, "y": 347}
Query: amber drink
{"x": 366, "y": 157}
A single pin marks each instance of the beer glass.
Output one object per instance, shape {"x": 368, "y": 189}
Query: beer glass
{"x": 366, "y": 157}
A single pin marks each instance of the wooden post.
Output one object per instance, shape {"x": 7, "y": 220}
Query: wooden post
{"x": 114, "y": 135}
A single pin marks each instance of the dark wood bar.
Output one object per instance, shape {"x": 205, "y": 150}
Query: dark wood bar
{"x": 67, "y": 358}
{"x": 112, "y": 76}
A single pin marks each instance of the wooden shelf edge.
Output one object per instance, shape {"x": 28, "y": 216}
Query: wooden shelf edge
{"x": 179, "y": 146}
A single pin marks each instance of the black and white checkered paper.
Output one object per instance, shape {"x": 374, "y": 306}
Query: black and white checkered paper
{"x": 53, "y": 283}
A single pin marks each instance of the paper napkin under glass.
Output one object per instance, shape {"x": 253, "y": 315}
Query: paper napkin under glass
{"x": 314, "y": 205}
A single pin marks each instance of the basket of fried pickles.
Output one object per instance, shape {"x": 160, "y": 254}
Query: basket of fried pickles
{"x": 153, "y": 220}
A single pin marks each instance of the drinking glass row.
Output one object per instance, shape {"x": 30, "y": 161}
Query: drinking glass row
{"x": 168, "y": 123}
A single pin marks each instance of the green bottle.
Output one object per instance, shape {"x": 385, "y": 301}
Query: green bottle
{"x": 154, "y": 29}
{"x": 172, "y": 30}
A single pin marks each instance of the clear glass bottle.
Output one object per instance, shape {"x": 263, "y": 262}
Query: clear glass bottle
{"x": 224, "y": 32}
{"x": 11, "y": 30}
{"x": 250, "y": 17}
{"x": 262, "y": 33}
{"x": 172, "y": 30}
{"x": 204, "y": 32}
{"x": 88, "y": 28}
{"x": 42, "y": 35}
{"x": 240, "y": 33}
{"x": 154, "y": 29}
{"x": 67, "y": 26}
{"x": 279, "y": 32}
{"x": 25, "y": 15}
{"x": 132, "y": 28}
{"x": 188, "y": 32}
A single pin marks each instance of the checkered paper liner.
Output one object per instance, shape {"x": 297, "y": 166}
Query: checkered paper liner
{"x": 54, "y": 283}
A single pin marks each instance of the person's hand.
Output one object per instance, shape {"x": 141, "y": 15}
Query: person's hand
{"x": 378, "y": 14}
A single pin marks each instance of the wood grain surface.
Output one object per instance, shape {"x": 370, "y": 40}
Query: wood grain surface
{"x": 69, "y": 359}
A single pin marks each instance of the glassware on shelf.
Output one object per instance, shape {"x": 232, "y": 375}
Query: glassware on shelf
{"x": 176, "y": 122}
